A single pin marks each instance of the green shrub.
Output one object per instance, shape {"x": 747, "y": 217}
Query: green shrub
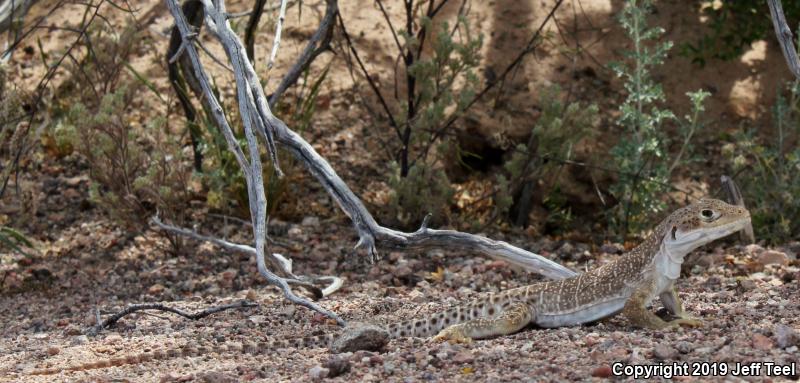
{"x": 769, "y": 171}
{"x": 539, "y": 161}
{"x": 425, "y": 190}
{"x": 641, "y": 155}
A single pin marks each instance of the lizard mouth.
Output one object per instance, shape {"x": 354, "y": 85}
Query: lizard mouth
{"x": 701, "y": 237}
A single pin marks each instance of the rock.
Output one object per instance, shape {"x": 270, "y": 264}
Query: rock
{"x": 747, "y": 285}
{"x": 464, "y": 357}
{"x": 664, "y": 352}
{"x": 229, "y": 274}
{"x": 156, "y": 289}
{"x": 360, "y": 337}
{"x": 336, "y": 366}
{"x": 53, "y": 350}
{"x": 684, "y": 347}
{"x": 761, "y": 342}
{"x": 773, "y": 257}
{"x": 786, "y": 336}
{"x": 602, "y": 372}
{"x": 753, "y": 249}
{"x": 566, "y": 249}
{"x": 402, "y": 271}
{"x": 310, "y": 221}
{"x": 72, "y": 330}
{"x": 216, "y": 377}
{"x": 113, "y": 338}
{"x": 612, "y": 248}
{"x": 78, "y": 340}
{"x": 318, "y": 372}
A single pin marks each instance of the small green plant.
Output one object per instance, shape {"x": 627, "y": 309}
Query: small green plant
{"x": 13, "y": 240}
{"x": 536, "y": 164}
{"x": 439, "y": 86}
{"x": 642, "y": 155}
{"x": 226, "y": 184}
{"x": 134, "y": 171}
{"x": 770, "y": 171}
{"x": 424, "y": 190}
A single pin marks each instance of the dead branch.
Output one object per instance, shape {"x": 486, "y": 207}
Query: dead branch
{"x": 284, "y": 264}
{"x": 258, "y": 118}
{"x": 278, "y": 30}
{"x": 252, "y": 111}
{"x": 13, "y": 11}
{"x": 735, "y": 198}
{"x": 319, "y": 42}
{"x": 110, "y": 321}
{"x": 784, "y": 35}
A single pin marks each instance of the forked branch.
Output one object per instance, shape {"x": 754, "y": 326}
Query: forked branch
{"x": 258, "y": 119}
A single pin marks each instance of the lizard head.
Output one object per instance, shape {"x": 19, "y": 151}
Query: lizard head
{"x": 702, "y": 222}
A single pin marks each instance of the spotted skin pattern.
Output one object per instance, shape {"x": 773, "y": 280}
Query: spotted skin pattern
{"x": 626, "y": 285}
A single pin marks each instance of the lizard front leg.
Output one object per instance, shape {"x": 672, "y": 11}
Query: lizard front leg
{"x": 673, "y": 304}
{"x": 637, "y": 313}
{"x": 509, "y": 321}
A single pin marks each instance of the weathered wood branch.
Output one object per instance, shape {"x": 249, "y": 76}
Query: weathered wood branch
{"x": 784, "y": 35}
{"x": 735, "y": 198}
{"x": 247, "y": 107}
{"x": 319, "y": 42}
{"x": 258, "y": 118}
{"x": 13, "y": 11}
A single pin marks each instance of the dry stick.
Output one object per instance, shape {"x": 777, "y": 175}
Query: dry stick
{"x": 501, "y": 80}
{"x": 254, "y": 109}
{"x": 371, "y": 83}
{"x": 735, "y": 198}
{"x": 278, "y": 29}
{"x": 252, "y": 170}
{"x": 784, "y": 35}
{"x": 285, "y": 263}
{"x": 319, "y": 42}
{"x": 252, "y": 26}
{"x": 368, "y": 229}
{"x": 157, "y": 306}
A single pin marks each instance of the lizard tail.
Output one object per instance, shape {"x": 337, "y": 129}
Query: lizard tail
{"x": 432, "y": 324}
{"x": 253, "y": 348}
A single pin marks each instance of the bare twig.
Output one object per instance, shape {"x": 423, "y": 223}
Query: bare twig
{"x": 319, "y": 42}
{"x": 255, "y": 112}
{"x": 784, "y": 35}
{"x": 252, "y": 27}
{"x": 110, "y": 321}
{"x": 735, "y": 197}
{"x": 258, "y": 118}
{"x": 529, "y": 48}
{"x": 278, "y": 29}
{"x": 369, "y": 79}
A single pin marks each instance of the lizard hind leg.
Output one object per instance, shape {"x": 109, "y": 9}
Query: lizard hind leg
{"x": 511, "y": 320}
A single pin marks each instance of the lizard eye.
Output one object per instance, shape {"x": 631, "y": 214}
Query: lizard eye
{"x": 707, "y": 214}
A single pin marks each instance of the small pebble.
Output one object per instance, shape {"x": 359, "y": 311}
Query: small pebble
{"x": 602, "y": 372}
{"x": 761, "y": 342}
{"x": 318, "y": 372}
{"x": 664, "y": 352}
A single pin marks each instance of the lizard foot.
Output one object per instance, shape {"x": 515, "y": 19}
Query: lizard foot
{"x": 452, "y": 334}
